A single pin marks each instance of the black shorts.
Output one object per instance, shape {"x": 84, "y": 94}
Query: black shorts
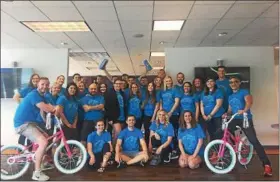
{"x": 88, "y": 127}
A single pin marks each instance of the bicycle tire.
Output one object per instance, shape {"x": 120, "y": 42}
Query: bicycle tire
{"x": 22, "y": 171}
{"x": 80, "y": 166}
{"x": 208, "y": 163}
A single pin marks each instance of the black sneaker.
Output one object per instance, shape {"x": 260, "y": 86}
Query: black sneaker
{"x": 168, "y": 159}
{"x": 156, "y": 160}
{"x": 174, "y": 155}
{"x": 121, "y": 165}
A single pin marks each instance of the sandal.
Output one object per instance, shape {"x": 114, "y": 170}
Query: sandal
{"x": 101, "y": 169}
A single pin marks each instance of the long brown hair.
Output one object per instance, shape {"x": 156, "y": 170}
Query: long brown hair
{"x": 30, "y": 84}
{"x": 150, "y": 95}
{"x": 138, "y": 94}
{"x": 182, "y": 121}
{"x": 190, "y": 84}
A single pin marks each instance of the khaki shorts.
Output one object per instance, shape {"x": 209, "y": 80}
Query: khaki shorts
{"x": 31, "y": 131}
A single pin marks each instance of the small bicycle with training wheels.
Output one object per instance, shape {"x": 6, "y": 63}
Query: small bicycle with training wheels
{"x": 220, "y": 155}
{"x": 69, "y": 157}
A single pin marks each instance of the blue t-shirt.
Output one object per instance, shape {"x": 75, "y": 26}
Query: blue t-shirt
{"x": 121, "y": 104}
{"x": 237, "y": 102}
{"x": 190, "y": 137}
{"x": 23, "y": 92}
{"x": 126, "y": 93}
{"x": 70, "y": 107}
{"x": 187, "y": 102}
{"x": 93, "y": 100}
{"x": 168, "y": 99}
{"x": 27, "y": 111}
{"x": 82, "y": 94}
{"x": 134, "y": 107}
{"x": 98, "y": 141}
{"x": 149, "y": 107}
{"x": 223, "y": 85}
{"x": 62, "y": 91}
{"x": 130, "y": 139}
{"x": 164, "y": 131}
{"x": 180, "y": 88}
{"x": 209, "y": 102}
{"x": 50, "y": 99}
{"x": 143, "y": 91}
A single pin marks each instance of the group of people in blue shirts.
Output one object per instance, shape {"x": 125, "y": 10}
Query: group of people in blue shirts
{"x": 133, "y": 120}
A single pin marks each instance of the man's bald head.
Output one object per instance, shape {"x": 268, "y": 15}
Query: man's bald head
{"x": 92, "y": 88}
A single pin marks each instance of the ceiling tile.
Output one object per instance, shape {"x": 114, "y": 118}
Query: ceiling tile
{"x": 86, "y": 40}
{"x": 53, "y": 3}
{"x": 253, "y": 2}
{"x": 93, "y": 4}
{"x": 215, "y": 32}
{"x": 272, "y": 12}
{"x": 238, "y": 23}
{"x": 8, "y": 42}
{"x": 263, "y": 23}
{"x": 175, "y": 12}
{"x": 135, "y": 12}
{"x": 131, "y": 25}
{"x": 55, "y": 13}
{"x": 6, "y": 19}
{"x": 14, "y": 4}
{"x": 26, "y": 14}
{"x": 246, "y": 10}
{"x": 98, "y": 13}
{"x": 156, "y": 47}
{"x": 104, "y": 26}
{"x": 208, "y": 11}
{"x": 200, "y": 24}
{"x": 213, "y": 2}
{"x": 56, "y": 38}
{"x": 174, "y": 3}
{"x": 239, "y": 42}
{"x": 195, "y": 33}
{"x": 166, "y": 36}
{"x": 133, "y": 3}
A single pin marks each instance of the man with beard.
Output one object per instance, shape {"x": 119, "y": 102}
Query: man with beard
{"x": 180, "y": 81}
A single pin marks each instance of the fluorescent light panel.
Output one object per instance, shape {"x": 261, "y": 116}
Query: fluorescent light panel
{"x": 168, "y": 25}
{"x": 157, "y": 54}
{"x": 80, "y": 26}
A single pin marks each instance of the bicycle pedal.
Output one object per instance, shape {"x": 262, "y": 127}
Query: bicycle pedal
{"x": 245, "y": 166}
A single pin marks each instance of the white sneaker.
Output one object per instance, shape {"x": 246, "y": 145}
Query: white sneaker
{"x": 39, "y": 176}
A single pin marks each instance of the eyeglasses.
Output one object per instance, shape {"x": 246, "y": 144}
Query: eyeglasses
{"x": 232, "y": 82}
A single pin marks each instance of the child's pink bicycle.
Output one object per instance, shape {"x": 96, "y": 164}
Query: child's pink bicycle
{"x": 220, "y": 155}
{"x": 69, "y": 157}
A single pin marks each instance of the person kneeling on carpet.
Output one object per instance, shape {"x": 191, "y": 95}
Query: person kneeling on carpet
{"x": 127, "y": 147}
{"x": 99, "y": 147}
{"x": 161, "y": 134}
{"x": 190, "y": 136}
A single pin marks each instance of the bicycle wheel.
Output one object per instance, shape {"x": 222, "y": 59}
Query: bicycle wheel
{"x": 216, "y": 164}
{"x": 71, "y": 165}
{"x": 245, "y": 151}
{"x": 14, "y": 162}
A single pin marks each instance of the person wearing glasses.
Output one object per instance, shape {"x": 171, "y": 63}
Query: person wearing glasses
{"x": 99, "y": 147}
{"x": 211, "y": 106}
{"x": 128, "y": 145}
{"x": 240, "y": 101}
{"x": 134, "y": 104}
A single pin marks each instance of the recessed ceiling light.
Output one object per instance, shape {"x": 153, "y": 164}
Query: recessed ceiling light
{"x": 162, "y": 42}
{"x": 157, "y": 68}
{"x": 222, "y": 34}
{"x": 64, "y": 43}
{"x": 168, "y": 25}
{"x": 80, "y": 26}
{"x": 157, "y": 54}
{"x": 138, "y": 35}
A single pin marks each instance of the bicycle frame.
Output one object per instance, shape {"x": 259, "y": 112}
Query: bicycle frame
{"x": 57, "y": 135}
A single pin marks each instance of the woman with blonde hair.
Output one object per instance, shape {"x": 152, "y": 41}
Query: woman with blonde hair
{"x": 170, "y": 101}
{"x": 161, "y": 134}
